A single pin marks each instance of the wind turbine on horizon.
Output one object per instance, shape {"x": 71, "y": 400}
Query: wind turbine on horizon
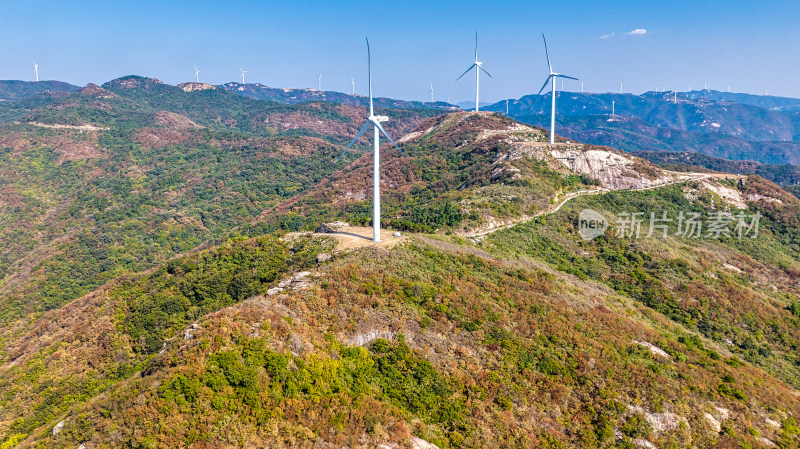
{"x": 478, "y": 66}
{"x": 36, "y": 70}
{"x": 376, "y": 145}
{"x": 353, "y": 82}
{"x": 430, "y": 91}
{"x": 319, "y": 82}
{"x": 551, "y": 78}
{"x": 243, "y": 72}
{"x": 197, "y": 74}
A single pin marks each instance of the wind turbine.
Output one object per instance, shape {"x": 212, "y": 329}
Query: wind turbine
{"x": 319, "y": 82}
{"x": 478, "y": 66}
{"x": 243, "y": 72}
{"x": 430, "y": 91}
{"x": 36, "y": 70}
{"x": 506, "y": 107}
{"x": 620, "y": 87}
{"x": 197, "y": 74}
{"x": 551, "y": 78}
{"x": 353, "y": 82}
{"x": 376, "y": 145}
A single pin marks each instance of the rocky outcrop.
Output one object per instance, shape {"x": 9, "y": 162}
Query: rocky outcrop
{"x": 191, "y": 87}
{"x": 332, "y": 228}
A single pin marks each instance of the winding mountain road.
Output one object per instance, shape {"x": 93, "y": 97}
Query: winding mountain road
{"x": 680, "y": 178}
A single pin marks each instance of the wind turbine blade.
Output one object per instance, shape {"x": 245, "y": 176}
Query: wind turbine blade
{"x": 476, "y": 46}
{"x": 369, "y": 77}
{"x": 360, "y": 133}
{"x": 380, "y": 128}
{"x": 565, "y": 76}
{"x": 466, "y": 71}
{"x": 549, "y": 67}
{"x": 484, "y": 71}
{"x": 540, "y": 92}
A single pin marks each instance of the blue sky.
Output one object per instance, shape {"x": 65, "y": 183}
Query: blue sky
{"x": 751, "y": 46}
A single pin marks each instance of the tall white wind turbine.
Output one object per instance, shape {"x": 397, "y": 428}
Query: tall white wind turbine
{"x": 36, "y": 70}
{"x": 551, "y": 78}
{"x": 319, "y": 82}
{"x": 430, "y": 91}
{"x": 243, "y": 72}
{"x": 197, "y": 74}
{"x": 478, "y": 66}
{"x": 377, "y": 130}
{"x": 353, "y": 82}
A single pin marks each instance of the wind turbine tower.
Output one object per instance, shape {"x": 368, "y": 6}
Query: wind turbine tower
{"x": 478, "y": 66}
{"x": 36, "y": 70}
{"x": 319, "y": 82}
{"x": 551, "y": 78}
{"x": 376, "y": 145}
{"x": 506, "y": 107}
{"x": 620, "y": 87}
{"x": 430, "y": 91}
{"x": 243, "y": 72}
{"x": 197, "y": 74}
{"x": 353, "y": 82}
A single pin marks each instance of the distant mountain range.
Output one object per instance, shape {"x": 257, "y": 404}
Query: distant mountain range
{"x": 20, "y": 90}
{"x": 726, "y": 125}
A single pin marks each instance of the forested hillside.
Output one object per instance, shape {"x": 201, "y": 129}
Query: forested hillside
{"x": 162, "y": 286}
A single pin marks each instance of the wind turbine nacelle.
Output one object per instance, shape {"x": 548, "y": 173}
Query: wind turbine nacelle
{"x": 381, "y": 118}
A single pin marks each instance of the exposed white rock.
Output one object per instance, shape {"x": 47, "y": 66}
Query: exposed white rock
{"x": 613, "y": 170}
{"x": 419, "y": 443}
{"x": 713, "y": 423}
{"x": 773, "y": 423}
{"x": 721, "y": 413}
{"x": 728, "y": 194}
{"x": 369, "y": 337}
{"x": 638, "y": 442}
{"x": 765, "y": 442}
{"x": 57, "y": 428}
{"x": 274, "y": 291}
{"x": 660, "y": 422}
{"x": 654, "y": 349}
{"x": 333, "y": 227}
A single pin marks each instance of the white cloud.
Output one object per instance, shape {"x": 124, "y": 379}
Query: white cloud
{"x": 636, "y": 32}
{"x": 607, "y": 36}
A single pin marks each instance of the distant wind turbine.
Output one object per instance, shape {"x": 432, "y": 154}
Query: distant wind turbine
{"x": 353, "y": 82}
{"x": 478, "y": 66}
{"x": 430, "y": 91}
{"x": 197, "y": 74}
{"x": 377, "y": 129}
{"x": 506, "y": 107}
{"x": 613, "y": 104}
{"x": 705, "y": 85}
{"x": 319, "y": 82}
{"x": 243, "y": 72}
{"x": 729, "y": 88}
{"x": 36, "y": 70}
{"x": 551, "y": 78}
{"x": 581, "y": 86}
{"x": 620, "y": 87}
